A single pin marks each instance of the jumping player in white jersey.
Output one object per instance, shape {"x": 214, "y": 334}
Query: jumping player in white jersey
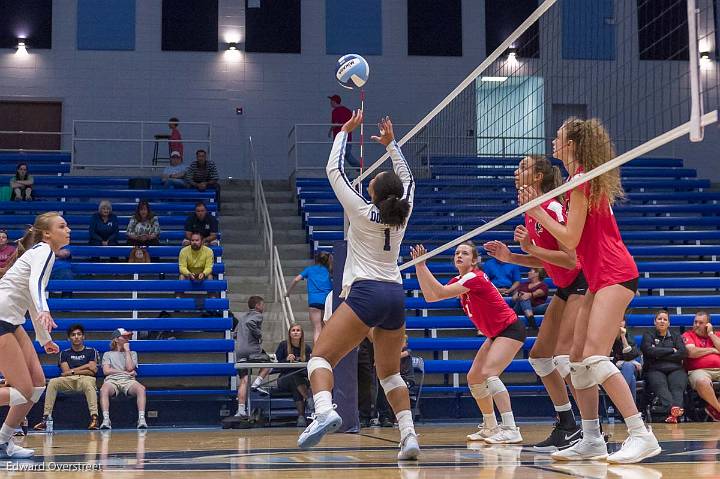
{"x": 372, "y": 288}
{"x": 22, "y": 290}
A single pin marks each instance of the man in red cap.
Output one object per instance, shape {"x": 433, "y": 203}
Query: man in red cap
{"x": 340, "y": 115}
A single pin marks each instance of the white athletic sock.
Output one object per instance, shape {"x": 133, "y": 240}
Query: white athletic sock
{"x": 323, "y": 402}
{"x": 141, "y": 414}
{"x": 591, "y": 429}
{"x": 6, "y": 432}
{"x": 106, "y": 415}
{"x": 635, "y": 425}
{"x": 508, "y": 419}
{"x": 563, "y": 407}
{"x": 405, "y": 423}
{"x": 258, "y": 381}
{"x": 489, "y": 421}
{"x": 241, "y": 410}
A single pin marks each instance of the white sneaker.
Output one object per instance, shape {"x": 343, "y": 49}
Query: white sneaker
{"x": 636, "y": 448}
{"x": 409, "y": 448}
{"x": 10, "y": 450}
{"x": 483, "y": 433}
{"x": 583, "y": 450}
{"x": 321, "y": 425}
{"x": 505, "y": 435}
{"x": 141, "y": 423}
{"x": 105, "y": 424}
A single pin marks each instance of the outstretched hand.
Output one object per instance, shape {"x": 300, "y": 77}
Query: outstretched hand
{"x": 354, "y": 121}
{"x": 47, "y": 321}
{"x": 498, "y": 250}
{"x": 387, "y": 135}
{"x": 522, "y": 236}
{"x": 417, "y": 251}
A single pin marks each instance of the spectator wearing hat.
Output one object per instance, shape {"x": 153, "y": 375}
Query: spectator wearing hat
{"x": 175, "y": 143}
{"x": 173, "y": 176}
{"x": 340, "y": 115}
{"x": 120, "y": 368}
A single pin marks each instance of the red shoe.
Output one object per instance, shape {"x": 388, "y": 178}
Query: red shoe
{"x": 713, "y": 413}
{"x": 676, "y": 411}
{"x": 671, "y": 419}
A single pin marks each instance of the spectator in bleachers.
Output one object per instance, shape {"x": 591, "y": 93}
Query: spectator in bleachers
{"x": 505, "y": 276}
{"x": 202, "y": 174}
{"x": 8, "y": 253}
{"x": 530, "y": 298}
{"x": 339, "y": 116}
{"x": 196, "y": 260}
{"x": 173, "y": 176}
{"x": 143, "y": 228}
{"x": 319, "y": 284}
{"x": 624, "y": 354}
{"x": 665, "y": 378}
{"x": 248, "y": 343}
{"x": 201, "y": 222}
{"x": 175, "y": 143}
{"x": 120, "y": 368}
{"x": 21, "y": 184}
{"x": 703, "y": 361}
{"x": 78, "y": 366}
{"x": 385, "y": 412}
{"x": 292, "y": 350}
{"x": 104, "y": 228}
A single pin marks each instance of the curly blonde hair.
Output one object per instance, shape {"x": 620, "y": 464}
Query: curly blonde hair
{"x": 593, "y": 148}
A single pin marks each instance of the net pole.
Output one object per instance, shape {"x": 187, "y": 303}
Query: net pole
{"x": 492, "y": 58}
{"x": 616, "y": 162}
{"x": 696, "y": 131}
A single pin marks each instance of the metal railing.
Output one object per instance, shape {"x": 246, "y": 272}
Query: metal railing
{"x": 60, "y": 134}
{"x": 276, "y": 278}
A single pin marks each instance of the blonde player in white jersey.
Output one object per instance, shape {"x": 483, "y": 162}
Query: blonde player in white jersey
{"x": 22, "y": 290}
{"x": 372, "y": 288}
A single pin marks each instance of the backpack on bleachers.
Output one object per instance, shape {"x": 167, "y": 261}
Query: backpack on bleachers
{"x": 139, "y": 254}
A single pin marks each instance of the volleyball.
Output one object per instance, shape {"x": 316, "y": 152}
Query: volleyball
{"x": 352, "y": 71}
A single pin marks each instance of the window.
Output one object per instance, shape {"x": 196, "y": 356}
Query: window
{"x": 190, "y": 25}
{"x": 662, "y": 29}
{"x": 434, "y": 27}
{"x": 272, "y": 26}
{"x": 501, "y": 21}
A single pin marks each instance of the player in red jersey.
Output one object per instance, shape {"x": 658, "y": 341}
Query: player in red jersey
{"x": 612, "y": 278}
{"x": 550, "y": 355}
{"x": 505, "y": 334}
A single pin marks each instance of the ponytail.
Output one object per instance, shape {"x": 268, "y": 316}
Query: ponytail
{"x": 34, "y": 234}
{"x": 388, "y": 191}
{"x": 323, "y": 259}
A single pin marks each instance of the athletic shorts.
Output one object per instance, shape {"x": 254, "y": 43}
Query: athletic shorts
{"x": 241, "y": 373}
{"x": 516, "y": 331}
{"x": 320, "y": 306}
{"x": 579, "y": 286}
{"x": 7, "y": 328}
{"x": 121, "y": 384}
{"x": 378, "y": 303}
{"x": 632, "y": 285}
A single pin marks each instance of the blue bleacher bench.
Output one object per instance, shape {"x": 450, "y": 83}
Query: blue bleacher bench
{"x": 140, "y": 324}
{"x": 159, "y": 370}
{"x": 635, "y": 250}
{"x": 180, "y": 346}
{"x": 119, "y": 285}
{"x": 83, "y": 221}
{"x": 106, "y": 193}
{"x": 89, "y": 207}
{"x": 31, "y": 157}
{"x": 81, "y": 235}
{"x": 153, "y": 304}
{"x": 645, "y": 161}
{"x": 97, "y": 181}
{"x": 35, "y": 170}
{"x": 134, "y": 268}
{"x": 154, "y": 251}
{"x": 462, "y": 322}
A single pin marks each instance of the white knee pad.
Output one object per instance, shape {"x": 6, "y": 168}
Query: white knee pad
{"x": 542, "y": 366}
{"x": 317, "y": 363}
{"x": 495, "y": 386}
{"x": 392, "y": 382}
{"x": 479, "y": 391}
{"x": 600, "y": 368}
{"x": 562, "y": 364}
{"x": 37, "y": 393}
{"x": 580, "y": 376}
{"x": 16, "y": 397}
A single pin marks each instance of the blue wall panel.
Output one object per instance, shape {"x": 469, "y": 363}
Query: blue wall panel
{"x": 106, "y": 25}
{"x": 353, "y": 27}
{"x": 588, "y": 32}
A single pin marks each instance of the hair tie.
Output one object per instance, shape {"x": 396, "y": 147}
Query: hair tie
{"x": 392, "y": 197}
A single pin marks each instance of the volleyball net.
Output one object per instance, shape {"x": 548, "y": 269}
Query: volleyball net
{"x": 645, "y": 69}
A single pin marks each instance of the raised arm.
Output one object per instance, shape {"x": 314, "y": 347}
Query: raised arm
{"x": 432, "y": 289}
{"x": 568, "y": 234}
{"x": 349, "y": 198}
{"x": 400, "y": 165}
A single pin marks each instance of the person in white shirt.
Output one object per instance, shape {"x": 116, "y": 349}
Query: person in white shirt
{"x": 372, "y": 287}
{"x": 22, "y": 290}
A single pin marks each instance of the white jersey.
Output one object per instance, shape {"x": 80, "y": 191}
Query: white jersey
{"x": 372, "y": 247}
{"x": 22, "y": 289}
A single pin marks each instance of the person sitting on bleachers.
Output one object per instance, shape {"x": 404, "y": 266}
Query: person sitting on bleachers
{"x": 201, "y": 222}
{"x": 703, "y": 361}
{"x": 21, "y": 184}
{"x": 104, "y": 226}
{"x": 665, "y": 378}
{"x": 143, "y": 228}
{"x": 505, "y": 276}
{"x": 120, "y": 369}
{"x": 294, "y": 349}
{"x": 624, "y": 355}
{"x": 196, "y": 260}
{"x": 530, "y": 298}
{"x": 248, "y": 344}
{"x": 8, "y": 253}
{"x": 173, "y": 176}
{"x": 202, "y": 174}
{"x": 78, "y": 365}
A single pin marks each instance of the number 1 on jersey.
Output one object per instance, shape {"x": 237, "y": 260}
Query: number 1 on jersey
{"x": 387, "y": 240}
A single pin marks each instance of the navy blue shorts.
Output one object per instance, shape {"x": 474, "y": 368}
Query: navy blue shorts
{"x": 7, "y": 328}
{"x": 378, "y": 303}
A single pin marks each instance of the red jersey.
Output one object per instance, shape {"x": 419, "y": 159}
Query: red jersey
{"x": 483, "y": 304}
{"x": 540, "y": 237}
{"x": 340, "y": 116}
{"x": 175, "y": 142}
{"x": 709, "y": 361}
{"x": 605, "y": 258}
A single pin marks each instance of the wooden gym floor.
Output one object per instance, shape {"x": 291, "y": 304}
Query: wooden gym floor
{"x": 689, "y": 451}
